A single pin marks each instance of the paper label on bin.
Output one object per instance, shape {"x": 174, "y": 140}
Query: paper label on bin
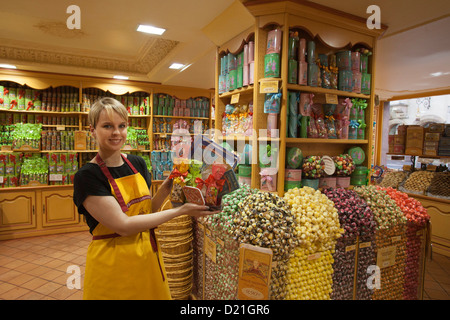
{"x": 210, "y": 249}
{"x": 255, "y": 268}
{"x": 386, "y": 256}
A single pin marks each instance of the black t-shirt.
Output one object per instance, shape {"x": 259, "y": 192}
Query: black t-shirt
{"x": 90, "y": 181}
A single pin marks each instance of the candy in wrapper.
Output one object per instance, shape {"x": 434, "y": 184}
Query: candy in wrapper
{"x": 178, "y": 174}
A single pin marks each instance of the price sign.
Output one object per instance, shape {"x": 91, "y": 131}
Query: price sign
{"x": 235, "y": 98}
{"x": 331, "y": 98}
{"x": 268, "y": 86}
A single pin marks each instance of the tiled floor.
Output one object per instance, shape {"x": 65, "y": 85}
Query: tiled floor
{"x": 37, "y": 269}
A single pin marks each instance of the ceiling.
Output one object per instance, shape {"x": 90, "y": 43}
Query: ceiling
{"x": 413, "y": 55}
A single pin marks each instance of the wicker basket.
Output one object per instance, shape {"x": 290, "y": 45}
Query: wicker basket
{"x": 175, "y": 240}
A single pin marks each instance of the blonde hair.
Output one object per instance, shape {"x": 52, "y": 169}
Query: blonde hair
{"x": 108, "y": 104}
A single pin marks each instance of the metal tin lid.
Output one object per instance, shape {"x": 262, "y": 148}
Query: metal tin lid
{"x": 330, "y": 168}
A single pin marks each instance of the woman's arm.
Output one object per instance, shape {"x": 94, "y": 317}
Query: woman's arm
{"x": 161, "y": 195}
{"x": 106, "y": 210}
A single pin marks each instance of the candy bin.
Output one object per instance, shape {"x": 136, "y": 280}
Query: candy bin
{"x": 222, "y": 254}
{"x": 390, "y": 240}
{"x": 366, "y": 258}
{"x": 356, "y": 219}
{"x": 317, "y": 228}
{"x": 343, "y": 269}
{"x": 266, "y": 221}
{"x": 418, "y": 218}
{"x": 198, "y": 258}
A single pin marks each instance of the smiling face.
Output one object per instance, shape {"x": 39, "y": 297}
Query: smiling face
{"x": 110, "y": 131}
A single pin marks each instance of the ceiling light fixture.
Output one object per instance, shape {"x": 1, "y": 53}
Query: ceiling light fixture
{"x": 8, "y": 66}
{"x": 176, "y": 66}
{"x": 150, "y": 29}
{"x": 438, "y": 74}
{"x": 185, "y": 67}
{"x": 121, "y": 77}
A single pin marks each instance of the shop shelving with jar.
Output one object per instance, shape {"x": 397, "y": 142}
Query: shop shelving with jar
{"x": 40, "y": 205}
{"x": 331, "y": 31}
{"x": 241, "y": 96}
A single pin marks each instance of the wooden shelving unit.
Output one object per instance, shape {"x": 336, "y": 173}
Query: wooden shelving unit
{"x": 30, "y": 211}
{"x": 332, "y": 31}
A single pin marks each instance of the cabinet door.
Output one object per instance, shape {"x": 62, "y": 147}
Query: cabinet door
{"x": 440, "y": 221}
{"x": 58, "y": 208}
{"x": 17, "y": 210}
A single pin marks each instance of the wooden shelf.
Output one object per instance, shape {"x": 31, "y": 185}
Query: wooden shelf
{"x": 329, "y": 141}
{"x": 53, "y": 113}
{"x": 180, "y": 117}
{"x": 244, "y": 90}
{"x": 46, "y": 187}
{"x": 320, "y": 90}
{"x": 235, "y": 138}
{"x": 420, "y": 156}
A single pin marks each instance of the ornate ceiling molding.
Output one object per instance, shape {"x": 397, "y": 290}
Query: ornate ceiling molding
{"x": 151, "y": 53}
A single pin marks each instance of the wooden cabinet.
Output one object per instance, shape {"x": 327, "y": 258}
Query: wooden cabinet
{"x": 35, "y": 211}
{"x": 17, "y": 211}
{"x": 58, "y": 208}
{"x": 439, "y": 211}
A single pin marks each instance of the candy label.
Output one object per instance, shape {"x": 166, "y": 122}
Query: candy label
{"x": 363, "y": 245}
{"x": 255, "y": 267}
{"x": 210, "y": 249}
{"x": 386, "y": 256}
{"x": 314, "y": 256}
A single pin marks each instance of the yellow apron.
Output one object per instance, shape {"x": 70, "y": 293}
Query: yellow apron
{"x": 131, "y": 267}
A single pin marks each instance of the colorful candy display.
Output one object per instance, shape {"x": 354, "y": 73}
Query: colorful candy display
{"x": 417, "y": 217}
{"x": 313, "y": 167}
{"x": 316, "y": 217}
{"x": 313, "y": 236}
{"x": 344, "y": 165}
{"x": 355, "y": 216}
{"x": 386, "y": 212}
{"x": 309, "y": 276}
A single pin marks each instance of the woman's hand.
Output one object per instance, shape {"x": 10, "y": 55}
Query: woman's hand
{"x": 195, "y": 210}
{"x": 166, "y": 186}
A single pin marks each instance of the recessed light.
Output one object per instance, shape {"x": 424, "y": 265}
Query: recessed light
{"x": 9, "y": 66}
{"x": 439, "y": 74}
{"x": 176, "y": 66}
{"x": 150, "y": 29}
{"x": 121, "y": 77}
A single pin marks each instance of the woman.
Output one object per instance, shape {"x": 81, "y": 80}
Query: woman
{"x": 112, "y": 192}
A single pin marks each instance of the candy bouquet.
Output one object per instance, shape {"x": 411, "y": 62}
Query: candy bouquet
{"x": 178, "y": 174}
{"x": 204, "y": 182}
